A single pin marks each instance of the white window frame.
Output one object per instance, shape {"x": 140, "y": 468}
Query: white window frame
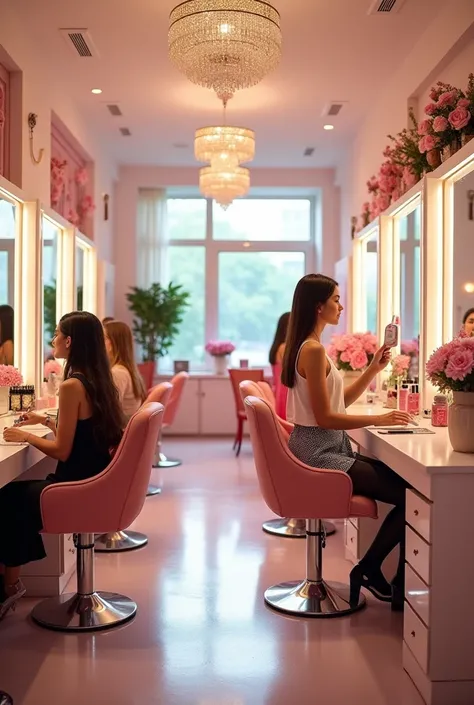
{"x": 213, "y": 248}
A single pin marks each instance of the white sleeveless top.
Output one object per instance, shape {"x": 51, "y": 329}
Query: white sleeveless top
{"x": 298, "y": 405}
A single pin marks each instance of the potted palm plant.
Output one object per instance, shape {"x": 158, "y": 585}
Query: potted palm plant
{"x": 158, "y": 312}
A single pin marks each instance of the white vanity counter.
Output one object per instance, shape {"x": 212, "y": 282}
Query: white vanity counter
{"x": 439, "y": 571}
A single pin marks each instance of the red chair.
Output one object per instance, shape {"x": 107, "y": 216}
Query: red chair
{"x": 116, "y": 541}
{"x": 238, "y": 375}
{"x": 291, "y": 488}
{"x": 178, "y": 384}
{"x": 288, "y": 528}
{"x": 110, "y": 501}
{"x": 147, "y": 371}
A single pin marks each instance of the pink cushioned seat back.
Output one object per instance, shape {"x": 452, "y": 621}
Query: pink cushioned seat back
{"x": 238, "y": 375}
{"x": 262, "y": 390}
{"x": 112, "y": 500}
{"x": 160, "y": 393}
{"x": 178, "y": 384}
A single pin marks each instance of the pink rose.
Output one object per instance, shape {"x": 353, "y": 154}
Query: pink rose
{"x": 440, "y": 124}
{"x": 460, "y": 364}
{"x": 459, "y": 118}
{"x": 463, "y": 103}
{"x": 430, "y": 142}
{"x": 409, "y": 177}
{"x": 430, "y": 109}
{"x": 386, "y": 169}
{"x": 421, "y": 145}
{"x": 424, "y": 127}
{"x": 434, "y": 93}
{"x": 448, "y": 98}
{"x": 345, "y": 356}
{"x": 383, "y": 201}
{"x": 358, "y": 360}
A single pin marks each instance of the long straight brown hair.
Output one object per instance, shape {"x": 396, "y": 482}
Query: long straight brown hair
{"x": 312, "y": 291}
{"x": 121, "y": 341}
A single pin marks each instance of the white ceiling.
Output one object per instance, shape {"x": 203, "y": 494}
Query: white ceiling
{"x": 332, "y": 51}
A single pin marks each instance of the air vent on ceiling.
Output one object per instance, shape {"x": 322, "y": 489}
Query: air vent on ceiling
{"x": 80, "y": 42}
{"x": 125, "y": 132}
{"x": 114, "y": 109}
{"x": 334, "y": 108}
{"x": 308, "y": 152}
{"x": 385, "y": 6}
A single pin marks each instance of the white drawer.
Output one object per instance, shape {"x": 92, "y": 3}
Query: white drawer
{"x": 418, "y": 554}
{"x": 417, "y": 593}
{"x": 415, "y": 635}
{"x": 352, "y": 539}
{"x": 418, "y": 514}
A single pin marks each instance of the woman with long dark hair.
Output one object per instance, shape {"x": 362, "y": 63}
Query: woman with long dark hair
{"x": 6, "y": 335}
{"x": 317, "y": 403}
{"x": 468, "y": 322}
{"x": 276, "y": 356}
{"x": 127, "y": 379}
{"x": 89, "y": 426}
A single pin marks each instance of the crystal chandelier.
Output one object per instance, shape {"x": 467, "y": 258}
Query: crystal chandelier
{"x": 225, "y": 45}
{"x": 224, "y": 183}
{"x": 237, "y": 142}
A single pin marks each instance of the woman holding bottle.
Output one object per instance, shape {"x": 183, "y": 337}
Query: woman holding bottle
{"x": 317, "y": 402}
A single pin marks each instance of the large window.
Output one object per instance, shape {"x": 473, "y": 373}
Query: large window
{"x": 240, "y": 267}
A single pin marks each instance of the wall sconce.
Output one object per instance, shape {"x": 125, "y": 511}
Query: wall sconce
{"x": 469, "y": 287}
{"x": 31, "y": 125}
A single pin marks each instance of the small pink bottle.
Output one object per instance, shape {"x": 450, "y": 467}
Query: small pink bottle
{"x": 439, "y": 411}
{"x": 413, "y": 400}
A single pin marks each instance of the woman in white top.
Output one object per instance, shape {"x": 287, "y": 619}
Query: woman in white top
{"x": 317, "y": 403}
{"x": 127, "y": 379}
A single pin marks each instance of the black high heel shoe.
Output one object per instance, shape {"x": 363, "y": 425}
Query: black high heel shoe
{"x": 398, "y": 597}
{"x": 373, "y": 581}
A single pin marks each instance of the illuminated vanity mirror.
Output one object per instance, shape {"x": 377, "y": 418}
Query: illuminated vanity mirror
{"x": 9, "y": 224}
{"x": 366, "y": 284}
{"x": 407, "y": 239}
{"x": 86, "y": 275}
{"x": 51, "y": 264}
{"x": 462, "y": 249}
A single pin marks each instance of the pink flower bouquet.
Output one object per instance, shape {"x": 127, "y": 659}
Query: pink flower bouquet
{"x": 10, "y": 376}
{"x": 352, "y": 351}
{"x": 220, "y": 348}
{"x": 52, "y": 367}
{"x": 451, "y": 367}
{"x": 410, "y": 347}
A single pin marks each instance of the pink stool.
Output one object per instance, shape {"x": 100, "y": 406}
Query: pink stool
{"x": 178, "y": 384}
{"x": 288, "y": 528}
{"x": 238, "y": 375}
{"x": 291, "y": 488}
{"x": 161, "y": 393}
{"x": 107, "y": 502}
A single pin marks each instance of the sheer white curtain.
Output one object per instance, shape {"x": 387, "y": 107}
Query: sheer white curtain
{"x": 152, "y": 240}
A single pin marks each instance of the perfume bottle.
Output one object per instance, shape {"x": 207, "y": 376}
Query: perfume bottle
{"x": 15, "y": 399}
{"x": 403, "y": 395}
{"x": 391, "y": 333}
{"x": 439, "y": 411}
{"x": 413, "y": 400}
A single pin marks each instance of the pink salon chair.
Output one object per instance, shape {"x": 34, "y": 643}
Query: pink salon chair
{"x": 117, "y": 541}
{"x": 110, "y": 501}
{"x": 238, "y": 375}
{"x": 291, "y": 488}
{"x": 178, "y": 384}
{"x": 161, "y": 393}
{"x": 288, "y": 528}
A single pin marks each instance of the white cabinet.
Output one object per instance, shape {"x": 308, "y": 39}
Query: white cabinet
{"x": 207, "y": 407}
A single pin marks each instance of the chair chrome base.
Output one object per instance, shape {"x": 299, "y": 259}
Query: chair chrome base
{"x": 311, "y": 599}
{"x": 116, "y": 541}
{"x": 152, "y": 490}
{"x": 80, "y": 613}
{"x": 293, "y": 528}
{"x": 164, "y": 462}
{"x": 5, "y": 699}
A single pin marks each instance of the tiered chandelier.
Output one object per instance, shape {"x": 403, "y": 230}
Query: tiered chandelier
{"x": 225, "y": 45}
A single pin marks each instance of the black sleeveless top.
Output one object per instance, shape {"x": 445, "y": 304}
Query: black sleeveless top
{"x": 87, "y": 457}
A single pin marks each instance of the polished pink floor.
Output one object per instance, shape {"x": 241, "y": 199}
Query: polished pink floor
{"x": 203, "y": 635}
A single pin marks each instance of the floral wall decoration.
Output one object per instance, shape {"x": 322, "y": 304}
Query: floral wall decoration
{"x": 419, "y": 149}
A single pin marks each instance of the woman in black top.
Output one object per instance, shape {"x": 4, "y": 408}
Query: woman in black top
{"x": 89, "y": 426}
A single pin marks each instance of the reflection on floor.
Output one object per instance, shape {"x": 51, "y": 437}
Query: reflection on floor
{"x": 203, "y": 635}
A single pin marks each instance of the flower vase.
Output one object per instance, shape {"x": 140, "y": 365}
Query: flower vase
{"x": 461, "y": 422}
{"x": 465, "y": 138}
{"x": 350, "y": 376}
{"x": 449, "y": 149}
{"x": 4, "y": 400}
{"x": 433, "y": 157}
{"x": 220, "y": 364}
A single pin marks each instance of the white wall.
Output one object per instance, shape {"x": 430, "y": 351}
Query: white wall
{"x": 132, "y": 178}
{"x": 42, "y": 93}
{"x": 387, "y": 112}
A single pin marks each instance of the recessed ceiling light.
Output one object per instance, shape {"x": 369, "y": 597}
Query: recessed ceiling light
{"x": 328, "y": 127}
{"x": 96, "y": 91}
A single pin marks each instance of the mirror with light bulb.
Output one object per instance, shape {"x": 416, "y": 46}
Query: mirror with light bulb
{"x": 463, "y": 272}
{"x": 85, "y": 274}
{"x": 365, "y": 281}
{"x": 9, "y": 223}
{"x": 51, "y": 234}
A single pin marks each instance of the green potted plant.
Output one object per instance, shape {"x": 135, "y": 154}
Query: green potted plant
{"x": 158, "y": 311}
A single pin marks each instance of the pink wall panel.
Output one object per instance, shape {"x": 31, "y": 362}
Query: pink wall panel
{"x": 4, "y": 122}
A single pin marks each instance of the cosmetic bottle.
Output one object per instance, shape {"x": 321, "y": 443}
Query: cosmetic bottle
{"x": 439, "y": 411}
{"x": 403, "y": 395}
{"x": 413, "y": 400}
{"x": 391, "y": 333}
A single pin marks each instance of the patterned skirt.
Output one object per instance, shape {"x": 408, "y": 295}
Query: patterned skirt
{"x": 322, "y": 447}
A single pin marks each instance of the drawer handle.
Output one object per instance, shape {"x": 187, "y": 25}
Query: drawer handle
{"x": 415, "y": 551}
{"x": 416, "y": 512}
{"x": 413, "y": 633}
{"x": 352, "y": 539}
